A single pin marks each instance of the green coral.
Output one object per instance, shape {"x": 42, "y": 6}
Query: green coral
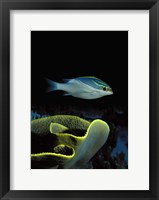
{"x": 42, "y": 126}
{"x": 72, "y": 149}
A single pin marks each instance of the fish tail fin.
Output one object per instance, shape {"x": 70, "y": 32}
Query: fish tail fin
{"x": 52, "y": 85}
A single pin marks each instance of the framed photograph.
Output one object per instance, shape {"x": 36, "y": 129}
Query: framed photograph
{"x": 79, "y": 99}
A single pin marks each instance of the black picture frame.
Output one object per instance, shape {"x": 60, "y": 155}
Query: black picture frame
{"x": 5, "y": 7}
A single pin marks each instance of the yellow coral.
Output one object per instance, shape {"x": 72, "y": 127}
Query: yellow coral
{"x": 81, "y": 148}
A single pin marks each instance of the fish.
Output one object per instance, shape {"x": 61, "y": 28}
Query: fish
{"x": 86, "y": 87}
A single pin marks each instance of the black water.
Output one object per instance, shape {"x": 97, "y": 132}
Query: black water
{"x": 68, "y": 54}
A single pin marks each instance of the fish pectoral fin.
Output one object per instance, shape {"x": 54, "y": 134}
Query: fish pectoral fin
{"x": 66, "y": 94}
{"x": 87, "y": 93}
{"x": 57, "y": 128}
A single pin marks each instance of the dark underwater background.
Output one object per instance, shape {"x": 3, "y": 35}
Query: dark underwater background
{"x": 59, "y": 55}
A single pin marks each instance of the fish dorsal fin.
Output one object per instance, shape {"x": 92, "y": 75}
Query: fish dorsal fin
{"x": 57, "y": 128}
{"x": 65, "y": 80}
{"x": 87, "y": 77}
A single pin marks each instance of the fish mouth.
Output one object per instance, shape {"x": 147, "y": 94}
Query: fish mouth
{"x": 110, "y": 91}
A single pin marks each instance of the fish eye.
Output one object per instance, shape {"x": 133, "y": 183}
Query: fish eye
{"x": 104, "y": 89}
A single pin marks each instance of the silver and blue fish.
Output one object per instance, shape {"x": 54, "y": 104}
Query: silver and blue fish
{"x": 87, "y": 87}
